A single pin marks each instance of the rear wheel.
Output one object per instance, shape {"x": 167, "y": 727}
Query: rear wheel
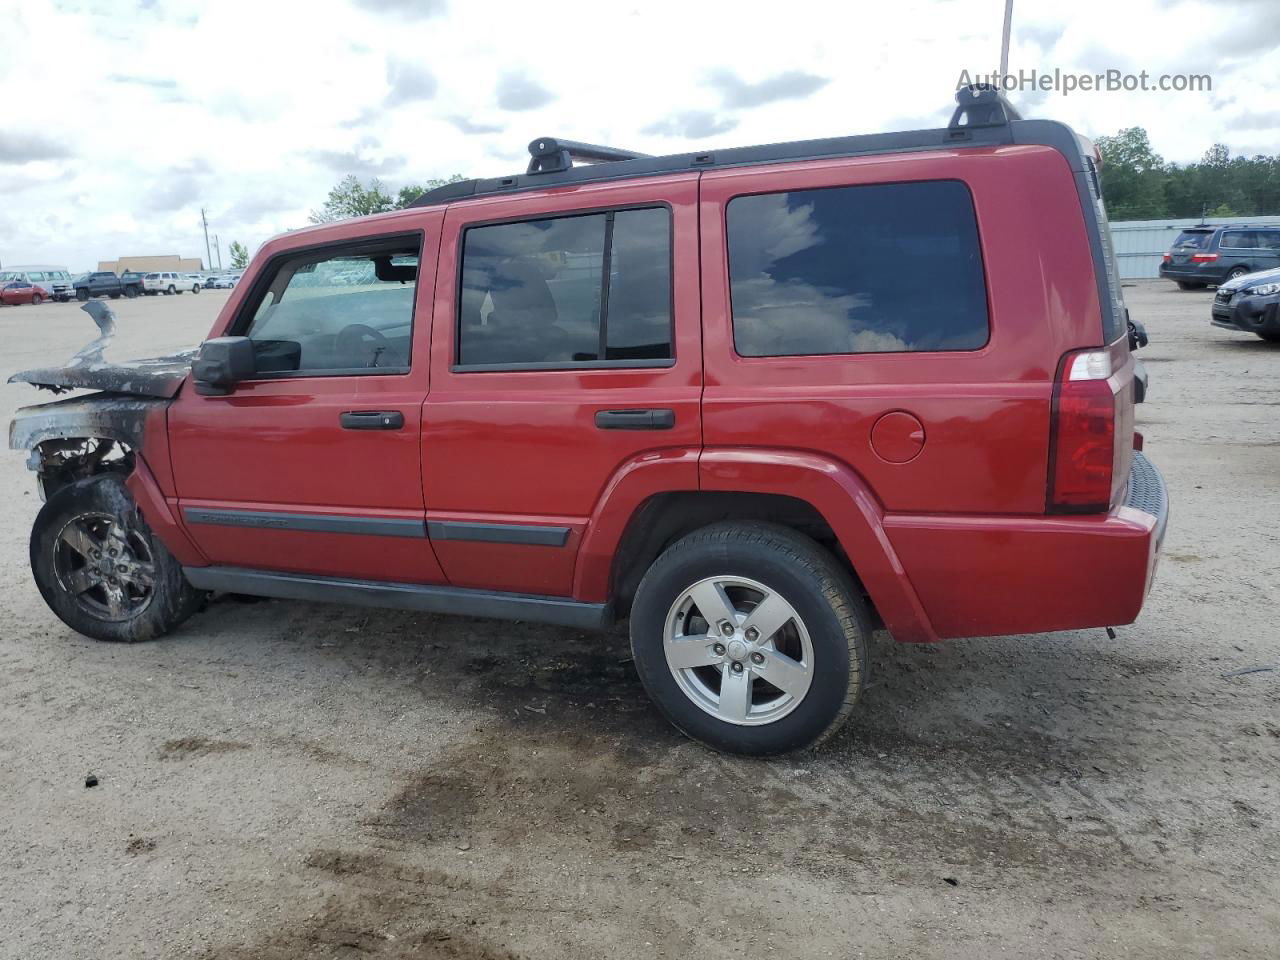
{"x": 170, "y": 291}
{"x": 114, "y": 296}
{"x": 1236, "y": 272}
{"x": 101, "y": 570}
{"x": 1272, "y": 335}
{"x": 36, "y": 299}
{"x": 196, "y": 288}
{"x": 130, "y": 292}
{"x": 750, "y": 638}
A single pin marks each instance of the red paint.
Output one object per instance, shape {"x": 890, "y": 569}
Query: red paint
{"x": 21, "y": 292}
{"x": 932, "y": 469}
{"x": 897, "y": 437}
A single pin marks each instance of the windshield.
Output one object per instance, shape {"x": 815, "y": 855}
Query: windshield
{"x": 1192, "y": 239}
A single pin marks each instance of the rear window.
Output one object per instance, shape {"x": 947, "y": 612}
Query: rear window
{"x": 1192, "y": 240}
{"x": 885, "y": 268}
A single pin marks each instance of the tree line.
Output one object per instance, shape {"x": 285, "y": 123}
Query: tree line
{"x": 351, "y": 198}
{"x": 1139, "y": 184}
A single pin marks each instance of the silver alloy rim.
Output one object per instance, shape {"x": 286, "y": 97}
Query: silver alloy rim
{"x": 106, "y": 567}
{"x": 738, "y": 650}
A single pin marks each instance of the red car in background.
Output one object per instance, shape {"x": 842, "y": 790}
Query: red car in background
{"x": 19, "y": 291}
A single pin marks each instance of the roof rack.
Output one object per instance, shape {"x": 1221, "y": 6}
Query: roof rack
{"x": 983, "y": 117}
{"x": 981, "y": 105}
{"x": 549, "y": 155}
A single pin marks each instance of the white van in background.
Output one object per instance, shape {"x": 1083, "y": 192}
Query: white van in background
{"x": 54, "y": 281}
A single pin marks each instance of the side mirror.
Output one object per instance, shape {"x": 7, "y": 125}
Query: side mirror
{"x": 221, "y": 364}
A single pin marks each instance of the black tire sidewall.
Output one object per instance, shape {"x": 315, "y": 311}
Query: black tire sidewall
{"x": 174, "y": 599}
{"x": 825, "y": 699}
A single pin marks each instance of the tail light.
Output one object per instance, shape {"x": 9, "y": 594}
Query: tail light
{"x": 1203, "y": 257}
{"x": 1082, "y": 448}
{"x": 1168, "y": 257}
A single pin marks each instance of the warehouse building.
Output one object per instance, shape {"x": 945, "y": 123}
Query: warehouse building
{"x": 153, "y": 264}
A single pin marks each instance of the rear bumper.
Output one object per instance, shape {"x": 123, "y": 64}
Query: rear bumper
{"x": 989, "y": 576}
{"x": 1209, "y": 273}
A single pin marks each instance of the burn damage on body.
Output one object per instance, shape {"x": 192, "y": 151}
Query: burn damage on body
{"x": 92, "y": 369}
{"x": 80, "y": 436}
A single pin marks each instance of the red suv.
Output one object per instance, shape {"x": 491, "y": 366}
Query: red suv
{"x": 759, "y": 401}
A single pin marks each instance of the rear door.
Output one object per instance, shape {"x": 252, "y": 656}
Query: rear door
{"x": 566, "y": 345}
{"x": 313, "y": 465}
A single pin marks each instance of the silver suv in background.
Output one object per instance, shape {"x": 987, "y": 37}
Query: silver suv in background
{"x": 168, "y": 282}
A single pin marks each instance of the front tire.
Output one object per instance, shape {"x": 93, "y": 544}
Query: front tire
{"x": 750, "y": 638}
{"x": 171, "y": 291}
{"x": 100, "y": 568}
{"x": 82, "y": 295}
{"x": 130, "y": 292}
{"x": 36, "y": 299}
{"x": 1190, "y": 285}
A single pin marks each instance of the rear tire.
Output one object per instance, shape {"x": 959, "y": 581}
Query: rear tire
{"x": 171, "y": 291}
{"x": 136, "y": 593}
{"x": 36, "y": 299}
{"x": 1236, "y": 272}
{"x": 1271, "y": 335}
{"x": 130, "y": 292}
{"x": 715, "y": 680}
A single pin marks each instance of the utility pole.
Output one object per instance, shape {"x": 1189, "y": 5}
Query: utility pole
{"x": 208, "y": 258}
{"x": 1004, "y": 41}
{"x": 218, "y": 246}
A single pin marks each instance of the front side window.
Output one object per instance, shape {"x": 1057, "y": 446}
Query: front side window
{"x": 591, "y": 288}
{"x": 338, "y": 311}
{"x": 869, "y": 269}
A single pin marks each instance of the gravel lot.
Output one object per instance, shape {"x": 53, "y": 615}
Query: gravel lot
{"x": 284, "y": 781}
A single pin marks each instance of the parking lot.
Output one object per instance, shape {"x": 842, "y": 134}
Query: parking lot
{"x": 279, "y": 780}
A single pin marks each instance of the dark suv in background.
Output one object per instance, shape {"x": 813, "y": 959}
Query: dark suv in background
{"x": 1207, "y": 256}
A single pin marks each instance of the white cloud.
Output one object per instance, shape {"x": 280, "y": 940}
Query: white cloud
{"x": 280, "y": 100}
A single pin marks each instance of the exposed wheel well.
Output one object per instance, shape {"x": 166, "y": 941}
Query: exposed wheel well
{"x": 62, "y": 462}
{"x": 663, "y": 519}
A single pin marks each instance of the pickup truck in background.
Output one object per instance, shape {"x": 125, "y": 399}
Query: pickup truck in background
{"x": 103, "y": 283}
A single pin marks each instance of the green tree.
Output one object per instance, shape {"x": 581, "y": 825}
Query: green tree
{"x": 239, "y": 255}
{"x": 351, "y": 198}
{"x": 1133, "y": 176}
{"x": 412, "y": 191}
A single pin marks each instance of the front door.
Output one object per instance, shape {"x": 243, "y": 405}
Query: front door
{"x": 566, "y": 347}
{"x": 313, "y": 465}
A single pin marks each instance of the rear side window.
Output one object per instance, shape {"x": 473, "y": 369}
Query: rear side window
{"x": 869, "y": 269}
{"x": 344, "y": 310}
{"x": 558, "y": 292}
{"x": 1236, "y": 239}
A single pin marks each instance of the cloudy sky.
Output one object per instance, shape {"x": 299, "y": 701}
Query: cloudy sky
{"x": 122, "y": 119}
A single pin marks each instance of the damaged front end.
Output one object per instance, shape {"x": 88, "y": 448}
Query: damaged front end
{"x": 80, "y": 436}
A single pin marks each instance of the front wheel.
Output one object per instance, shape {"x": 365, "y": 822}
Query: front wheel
{"x": 101, "y": 570}
{"x": 82, "y": 295}
{"x": 171, "y": 291}
{"x": 130, "y": 292}
{"x": 196, "y": 288}
{"x": 750, "y": 638}
{"x": 36, "y": 299}
{"x": 1189, "y": 285}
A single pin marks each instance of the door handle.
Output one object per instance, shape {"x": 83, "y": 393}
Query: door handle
{"x": 654, "y": 419}
{"x": 371, "y": 420}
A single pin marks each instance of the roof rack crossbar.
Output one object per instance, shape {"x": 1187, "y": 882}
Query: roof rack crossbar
{"x": 981, "y": 105}
{"x": 551, "y": 155}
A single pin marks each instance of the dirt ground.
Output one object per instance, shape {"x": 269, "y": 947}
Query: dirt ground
{"x": 280, "y": 781}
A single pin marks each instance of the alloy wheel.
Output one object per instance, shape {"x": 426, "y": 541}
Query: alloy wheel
{"x": 739, "y": 650}
{"x": 107, "y": 567}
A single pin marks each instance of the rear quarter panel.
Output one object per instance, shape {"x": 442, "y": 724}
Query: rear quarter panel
{"x": 986, "y": 412}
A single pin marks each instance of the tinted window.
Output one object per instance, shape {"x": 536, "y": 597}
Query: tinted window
{"x": 1238, "y": 238}
{"x": 1192, "y": 240}
{"x": 1270, "y": 239}
{"x": 348, "y": 310}
{"x": 874, "y": 269}
{"x": 538, "y": 291}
